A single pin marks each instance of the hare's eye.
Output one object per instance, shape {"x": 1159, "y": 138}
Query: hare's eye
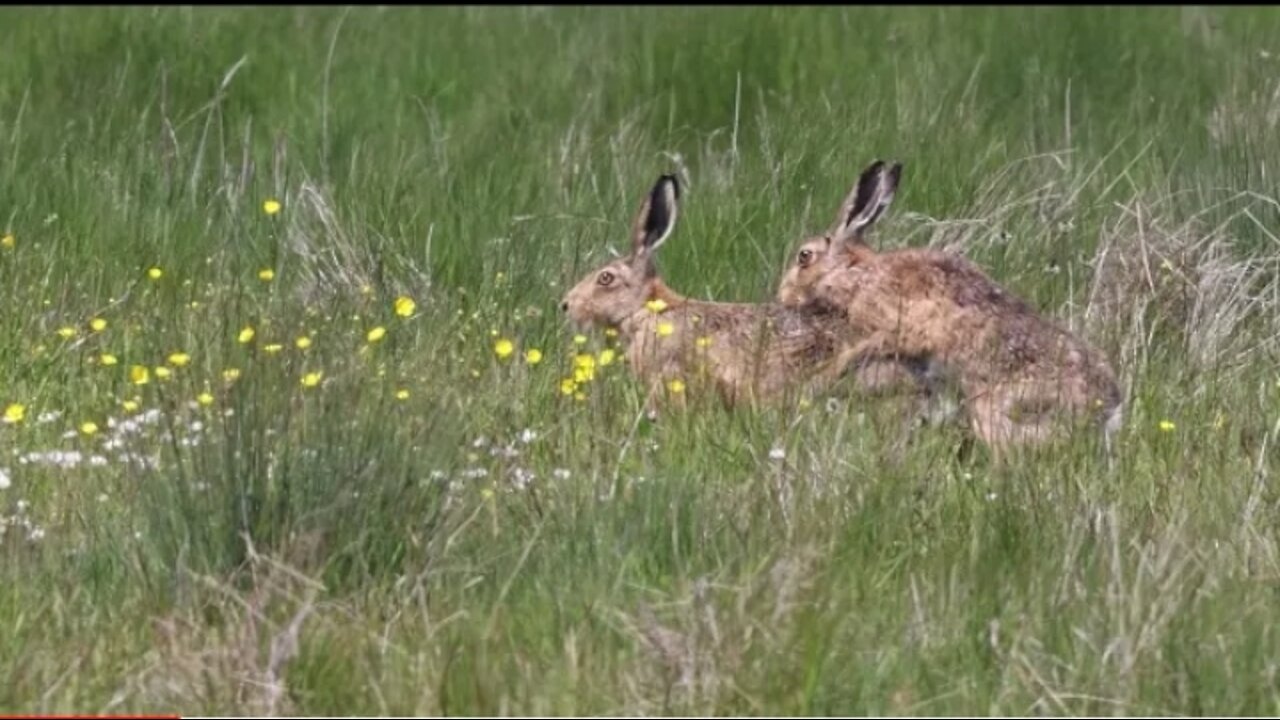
{"x": 606, "y": 278}
{"x": 806, "y": 256}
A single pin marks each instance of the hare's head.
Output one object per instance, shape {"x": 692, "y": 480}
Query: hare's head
{"x": 610, "y": 294}
{"x": 844, "y": 242}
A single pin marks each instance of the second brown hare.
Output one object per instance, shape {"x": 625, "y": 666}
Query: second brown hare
{"x": 1024, "y": 379}
{"x": 677, "y": 345}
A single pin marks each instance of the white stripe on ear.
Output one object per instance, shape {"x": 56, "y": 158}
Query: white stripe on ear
{"x": 658, "y": 215}
{"x": 874, "y": 194}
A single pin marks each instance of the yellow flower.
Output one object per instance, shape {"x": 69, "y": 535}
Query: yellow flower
{"x": 503, "y": 348}
{"x": 271, "y": 206}
{"x": 533, "y": 356}
{"x": 568, "y": 386}
{"x": 179, "y": 359}
{"x": 246, "y": 335}
{"x": 8, "y": 241}
{"x": 204, "y": 398}
{"x": 1167, "y": 426}
{"x": 579, "y": 339}
{"x": 97, "y": 324}
{"x": 14, "y": 413}
{"x": 272, "y": 348}
{"x": 664, "y": 329}
{"x": 303, "y": 342}
{"x": 405, "y": 306}
{"x": 487, "y": 493}
{"x": 266, "y": 274}
{"x": 402, "y": 394}
{"x": 703, "y": 342}
{"x": 89, "y": 428}
{"x": 162, "y": 372}
{"x": 129, "y": 406}
{"x": 676, "y": 386}
{"x": 108, "y": 359}
{"x": 584, "y": 368}
{"x": 66, "y": 333}
{"x": 312, "y": 379}
{"x": 656, "y": 305}
{"x": 376, "y": 334}
{"x": 139, "y": 375}
{"x": 606, "y": 357}
{"x": 231, "y": 374}
{"x": 611, "y": 332}
{"x": 155, "y": 273}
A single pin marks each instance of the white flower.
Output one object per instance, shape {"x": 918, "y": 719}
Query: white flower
{"x": 521, "y": 478}
{"x": 560, "y": 474}
{"x": 527, "y": 436}
{"x": 45, "y": 418}
{"x": 36, "y": 534}
{"x": 5, "y": 482}
{"x": 777, "y": 453}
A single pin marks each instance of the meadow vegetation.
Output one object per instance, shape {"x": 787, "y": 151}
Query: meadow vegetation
{"x": 292, "y": 422}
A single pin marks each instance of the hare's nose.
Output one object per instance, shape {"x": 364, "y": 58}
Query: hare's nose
{"x": 564, "y": 306}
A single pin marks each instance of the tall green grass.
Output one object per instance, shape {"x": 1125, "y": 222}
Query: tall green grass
{"x": 490, "y": 545}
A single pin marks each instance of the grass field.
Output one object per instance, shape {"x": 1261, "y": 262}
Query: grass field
{"x": 412, "y": 524}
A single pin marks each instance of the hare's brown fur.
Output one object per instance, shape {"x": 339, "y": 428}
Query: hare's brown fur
{"x": 744, "y": 352}
{"x": 1024, "y": 378}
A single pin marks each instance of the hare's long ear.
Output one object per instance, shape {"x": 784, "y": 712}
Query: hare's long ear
{"x": 656, "y": 219}
{"x": 867, "y": 202}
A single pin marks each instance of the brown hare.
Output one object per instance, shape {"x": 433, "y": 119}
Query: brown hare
{"x": 1024, "y": 379}
{"x": 743, "y": 352}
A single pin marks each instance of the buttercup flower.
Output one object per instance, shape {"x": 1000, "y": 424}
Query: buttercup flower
{"x": 266, "y": 274}
{"x": 405, "y": 306}
{"x": 533, "y": 356}
{"x": 312, "y": 379}
{"x": 271, "y": 206}
{"x": 15, "y": 413}
{"x": 503, "y": 348}
{"x": 246, "y": 335}
{"x": 139, "y": 375}
{"x": 376, "y": 334}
